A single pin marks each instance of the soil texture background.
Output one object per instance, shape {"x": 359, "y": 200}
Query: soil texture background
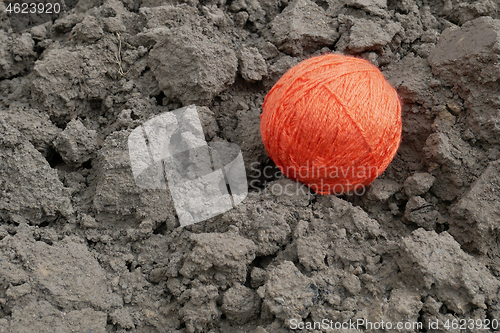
{"x": 83, "y": 249}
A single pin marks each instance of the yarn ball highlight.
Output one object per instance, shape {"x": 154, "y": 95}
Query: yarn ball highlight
{"x": 332, "y": 122}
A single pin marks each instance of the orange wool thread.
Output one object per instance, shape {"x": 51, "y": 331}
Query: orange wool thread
{"x": 332, "y": 122}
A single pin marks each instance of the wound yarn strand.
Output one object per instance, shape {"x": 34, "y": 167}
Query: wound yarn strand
{"x": 332, "y": 122}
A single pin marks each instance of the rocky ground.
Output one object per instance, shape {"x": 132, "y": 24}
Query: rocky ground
{"x": 83, "y": 249}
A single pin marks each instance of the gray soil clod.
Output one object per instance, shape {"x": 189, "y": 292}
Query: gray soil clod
{"x": 83, "y": 248}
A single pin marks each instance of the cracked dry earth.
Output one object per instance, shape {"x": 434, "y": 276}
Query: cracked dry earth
{"x": 83, "y": 249}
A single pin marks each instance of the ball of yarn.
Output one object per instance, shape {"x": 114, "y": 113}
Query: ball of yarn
{"x": 332, "y": 122}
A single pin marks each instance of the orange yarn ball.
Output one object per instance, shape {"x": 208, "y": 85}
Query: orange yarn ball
{"x": 332, "y": 122}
